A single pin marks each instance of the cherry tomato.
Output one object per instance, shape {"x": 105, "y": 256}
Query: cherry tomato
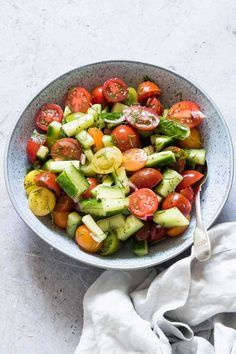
{"x": 178, "y": 230}
{"x": 97, "y": 96}
{"x": 189, "y": 178}
{"x": 179, "y": 164}
{"x": 147, "y": 89}
{"x": 187, "y": 113}
{"x": 134, "y": 159}
{"x": 126, "y": 138}
{"x": 157, "y": 234}
{"x": 60, "y": 218}
{"x": 92, "y": 183}
{"x": 33, "y": 145}
{"x": 66, "y": 149}
{"x": 78, "y": 99}
{"x": 47, "y": 179}
{"x": 141, "y": 118}
{"x": 48, "y": 113}
{"x": 143, "y": 202}
{"x": 144, "y": 233}
{"x": 179, "y": 201}
{"x": 156, "y": 105}
{"x": 193, "y": 141}
{"x": 97, "y": 136}
{"x": 146, "y": 178}
{"x": 188, "y": 193}
{"x": 115, "y": 90}
{"x": 84, "y": 239}
{"x": 64, "y": 203}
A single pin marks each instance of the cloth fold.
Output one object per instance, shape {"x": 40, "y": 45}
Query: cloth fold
{"x": 188, "y": 308}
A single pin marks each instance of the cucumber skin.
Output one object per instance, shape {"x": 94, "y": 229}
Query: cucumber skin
{"x": 74, "y": 220}
{"x": 140, "y": 248}
{"x": 173, "y": 129}
{"x": 170, "y": 218}
{"x": 110, "y": 245}
{"x": 169, "y": 182}
{"x": 113, "y": 222}
{"x": 196, "y": 156}
{"x": 160, "y": 159}
{"x": 132, "y": 225}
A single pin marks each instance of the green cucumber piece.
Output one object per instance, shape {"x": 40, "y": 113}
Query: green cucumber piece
{"x": 160, "y": 159}
{"x": 149, "y": 150}
{"x": 145, "y": 133}
{"x": 67, "y": 112}
{"x": 76, "y": 125}
{"x": 106, "y": 192}
{"x": 85, "y": 139}
{"x": 172, "y": 128}
{"x": 42, "y": 153}
{"x": 59, "y": 166}
{"x": 89, "y": 154}
{"x": 115, "y": 206}
{"x": 74, "y": 220}
{"x": 88, "y": 170}
{"x": 170, "y": 180}
{"x": 121, "y": 179}
{"x": 111, "y": 223}
{"x": 118, "y": 107}
{"x": 132, "y": 97}
{"x": 73, "y": 116}
{"x": 132, "y": 225}
{"x": 53, "y": 133}
{"x": 161, "y": 141}
{"x": 92, "y": 206}
{"x": 170, "y": 218}
{"x": 107, "y": 181}
{"x": 108, "y": 140}
{"x": 73, "y": 182}
{"x": 140, "y": 248}
{"x": 97, "y": 233}
{"x": 196, "y": 156}
{"x": 110, "y": 245}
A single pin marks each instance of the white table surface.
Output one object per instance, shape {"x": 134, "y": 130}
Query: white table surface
{"x": 41, "y": 290}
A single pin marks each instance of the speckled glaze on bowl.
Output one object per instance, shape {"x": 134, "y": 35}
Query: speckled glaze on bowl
{"x": 216, "y": 139}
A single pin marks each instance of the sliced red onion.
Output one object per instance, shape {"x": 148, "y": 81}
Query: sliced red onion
{"x": 77, "y": 208}
{"x": 147, "y": 217}
{"x": 117, "y": 121}
{"x": 133, "y": 186}
{"x": 197, "y": 114}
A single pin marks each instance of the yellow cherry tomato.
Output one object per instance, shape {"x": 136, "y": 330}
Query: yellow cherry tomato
{"x": 193, "y": 141}
{"x": 41, "y": 201}
{"x": 107, "y": 160}
{"x": 29, "y": 180}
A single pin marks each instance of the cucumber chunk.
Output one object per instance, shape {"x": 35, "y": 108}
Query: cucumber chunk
{"x": 106, "y": 192}
{"x": 172, "y": 128}
{"x": 73, "y": 221}
{"x": 59, "y": 166}
{"x": 118, "y": 107}
{"x": 85, "y": 139}
{"x": 170, "y": 218}
{"x": 132, "y": 97}
{"x": 76, "y": 125}
{"x": 108, "y": 140}
{"x": 196, "y": 156}
{"x": 161, "y": 141}
{"x": 121, "y": 179}
{"x": 53, "y": 133}
{"x": 149, "y": 150}
{"x": 73, "y": 116}
{"x": 113, "y": 222}
{"x": 87, "y": 170}
{"x": 110, "y": 245}
{"x": 160, "y": 159}
{"x": 170, "y": 180}
{"x": 115, "y": 206}
{"x": 73, "y": 182}
{"x": 140, "y": 248}
{"x": 97, "y": 234}
{"x": 107, "y": 181}
{"x": 92, "y": 206}
{"x": 67, "y": 112}
{"x": 42, "y": 153}
{"x": 132, "y": 225}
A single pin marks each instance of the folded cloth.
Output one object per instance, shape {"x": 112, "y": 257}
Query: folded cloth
{"x": 188, "y": 308}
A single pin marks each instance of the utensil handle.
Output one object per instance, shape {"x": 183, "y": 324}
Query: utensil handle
{"x": 202, "y": 246}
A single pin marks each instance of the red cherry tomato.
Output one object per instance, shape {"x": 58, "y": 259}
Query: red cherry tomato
{"x": 156, "y": 105}
{"x": 141, "y": 118}
{"x": 92, "y": 183}
{"x": 188, "y": 193}
{"x": 115, "y": 90}
{"x": 97, "y": 96}
{"x": 143, "y": 202}
{"x": 179, "y": 164}
{"x": 179, "y": 201}
{"x": 126, "y": 137}
{"x": 66, "y": 149}
{"x": 64, "y": 203}
{"x": 33, "y": 145}
{"x": 147, "y": 89}
{"x": 60, "y": 218}
{"x": 48, "y": 179}
{"x": 146, "y": 178}
{"x": 189, "y": 177}
{"x": 187, "y": 113}
{"x": 48, "y": 113}
{"x": 78, "y": 99}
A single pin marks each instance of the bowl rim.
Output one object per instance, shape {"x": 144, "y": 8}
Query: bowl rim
{"x": 154, "y": 262}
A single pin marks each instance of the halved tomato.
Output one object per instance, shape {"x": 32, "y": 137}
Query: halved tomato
{"x": 143, "y": 202}
{"x": 33, "y": 145}
{"x": 66, "y": 149}
{"x": 47, "y": 179}
{"x": 126, "y": 138}
{"x": 115, "y": 90}
{"x": 134, "y": 159}
{"x": 146, "y": 178}
{"x": 60, "y": 218}
{"x": 156, "y": 105}
{"x": 187, "y": 112}
{"x": 179, "y": 201}
{"x": 48, "y": 113}
{"x": 188, "y": 193}
{"x": 78, "y": 99}
{"x": 97, "y": 96}
{"x": 147, "y": 89}
{"x": 141, "y": 118}
{"x": 189, "y": 178}
{"x": 64, "y": 203}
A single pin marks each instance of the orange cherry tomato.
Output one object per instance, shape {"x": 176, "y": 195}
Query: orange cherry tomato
{"x": 84, "y": 240}
{"x": 143, "y": 202}
{"x": 178, "y": 230}
{"x": 147, "y": 89}
{"x": 92, "y": 184}
{"x": 60, "y": 218}
{"x": 134, "y": 159}
{"x": 193, "y": 141}
{"x": 97, "y": 136}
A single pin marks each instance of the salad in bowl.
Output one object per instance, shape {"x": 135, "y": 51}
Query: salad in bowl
{"x": 113, "y": 164}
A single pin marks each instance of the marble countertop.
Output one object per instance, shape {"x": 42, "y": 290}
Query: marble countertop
{"x": 41, "y": 290}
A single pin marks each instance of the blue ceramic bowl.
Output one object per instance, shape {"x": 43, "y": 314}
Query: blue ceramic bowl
{"x": 216, "y": 139}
